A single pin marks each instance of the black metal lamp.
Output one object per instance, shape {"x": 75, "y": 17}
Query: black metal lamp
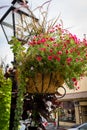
{"x": 13, "y": 22}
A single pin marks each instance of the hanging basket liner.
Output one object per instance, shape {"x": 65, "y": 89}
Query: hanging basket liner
{"x": 44, "y": 83}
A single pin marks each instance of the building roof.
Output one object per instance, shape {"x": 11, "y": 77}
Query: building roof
{"x": 72, "y": 96}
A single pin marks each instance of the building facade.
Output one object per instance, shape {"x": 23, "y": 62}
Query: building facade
{"x": 73, "y": 109}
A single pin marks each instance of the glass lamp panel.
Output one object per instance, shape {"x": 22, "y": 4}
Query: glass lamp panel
{"x": 23, "y": 26}
{"x": 8, "y": 25}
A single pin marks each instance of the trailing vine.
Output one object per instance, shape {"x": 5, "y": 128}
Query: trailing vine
{"x": 19, "y": 104}
{"x": 17, "y": 49}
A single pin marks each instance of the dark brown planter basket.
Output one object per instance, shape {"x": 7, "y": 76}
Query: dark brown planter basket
{"x": 44, "y": 83}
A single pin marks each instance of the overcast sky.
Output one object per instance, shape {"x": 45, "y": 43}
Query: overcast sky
{"x": 72, "y": 12}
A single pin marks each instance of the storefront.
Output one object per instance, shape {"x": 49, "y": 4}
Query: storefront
{"x": 67, "y": 112}
{"x": 73, "y": 109}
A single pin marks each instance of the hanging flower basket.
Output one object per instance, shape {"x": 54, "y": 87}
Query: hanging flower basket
{"x": 51, "y": 59}
{"x": 50, "y": 49}
{"x": 44, "y": 83}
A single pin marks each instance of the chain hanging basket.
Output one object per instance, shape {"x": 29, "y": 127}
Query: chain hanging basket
{"x": 44, "y": 83}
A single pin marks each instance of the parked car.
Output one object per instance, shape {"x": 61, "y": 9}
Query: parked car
{"x": 48, "y": 124}
{"x": 79, "y": 127}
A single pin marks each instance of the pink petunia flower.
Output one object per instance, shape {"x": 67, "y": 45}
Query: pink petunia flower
{"x": 77, "y": 59}
{"x": 74, "y": 79}
{"x": 69, "y": 59}
{"x": 42, "y": 49}
{"x": 43, "y": 40}
{"x": 51, "y": 50}
{"x": 39, "y": 58}
{"x": 59, "y": 52}
{"x": 50, "y": 57}
{"x": 67, "y": 51}
{"x": 52, "y": 39}
{"x": 57, "y": 58}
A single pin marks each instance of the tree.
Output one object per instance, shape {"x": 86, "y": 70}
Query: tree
{"x": 5, "y": 101}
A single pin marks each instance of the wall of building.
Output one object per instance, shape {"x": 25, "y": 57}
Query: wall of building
{"x": 81, "y": 87}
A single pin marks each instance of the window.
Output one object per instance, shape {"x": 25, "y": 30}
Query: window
{"x": 67, "y": 112}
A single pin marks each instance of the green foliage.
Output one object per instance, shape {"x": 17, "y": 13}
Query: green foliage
{"x": 5, "y": 101}
{"x": 17, "y": 48}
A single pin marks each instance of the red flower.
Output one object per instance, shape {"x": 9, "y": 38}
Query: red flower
{"x": 77, "y": 59}
{"x": 74, "y": 37}
{"x": 52, "y": 39}
{"x": 57, "y": 58}
{"x": 78, "y": 87}
{"x": 32, "y": 43}
{"x": 59, "y": 52}
{"x": 43, "y": 40}
{"x": 42, "y": 49}
{"x": 55, "y": 44}
{"x": 50, "y": 57}
{"x": 86, "y": 43}
{"x": 81, "y": 59}
{"x": 66, "y": 51}
{"x": 38, "y": 42}
{"x": 51, "y": 30}
{"x": 47, "y": 45}
{"x": 74, "y": 79}
{"x": 51, "y": 50}
{"x": 75, "y": 83}
{"x": 69, "y": 59}
{"x": 39, "y": 58}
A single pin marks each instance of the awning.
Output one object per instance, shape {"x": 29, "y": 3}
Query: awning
{"x": 73, "y": 96}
